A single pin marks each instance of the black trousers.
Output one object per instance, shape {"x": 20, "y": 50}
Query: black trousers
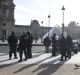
{"x": 63, "y": 53}
{"x": 21, "y": 53}
{"x": 68, "y": 53}
{"x": 54, "y": 50}
{"x": 29, "y": 52}
{"x": 13, "y": 50}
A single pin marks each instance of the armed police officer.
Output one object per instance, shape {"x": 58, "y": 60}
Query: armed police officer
{"x": 22, "y": 46}
{"x": 12, "y": 40}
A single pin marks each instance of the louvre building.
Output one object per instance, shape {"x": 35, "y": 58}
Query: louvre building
{"x": 7, "y": 22}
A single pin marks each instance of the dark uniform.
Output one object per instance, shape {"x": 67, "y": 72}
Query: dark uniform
{"x": 68, "y": 46}
{"x": 22, "y": 46}
{"x": 54, "y": 44}
{"x": 47, "y": 43}
{"x": 12, "y": 40}
{"x": 29, "y": 45}
{"x": 63, "y": 47}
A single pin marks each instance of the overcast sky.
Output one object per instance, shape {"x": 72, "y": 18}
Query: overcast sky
{"x": 27, "y": 10}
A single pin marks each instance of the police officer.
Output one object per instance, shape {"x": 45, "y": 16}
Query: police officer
{"x": 54, "y": 44}
{"x": 68, "y": 46}
{"x": 62, "y": 47}
{"x": 22, "y": 46}
{"x": 29, "y": 45}
{"x": 12, "y": 40}
{"x": 47, "y": 43}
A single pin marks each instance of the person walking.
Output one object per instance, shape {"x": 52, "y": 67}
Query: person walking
{"x": 47, "y": 43}
{"x": 12, "y": 41}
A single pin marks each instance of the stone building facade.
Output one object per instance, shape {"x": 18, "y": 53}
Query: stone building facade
{"x": 34, "y": 28}
{"x": 6, "y": 17}
{"x": 7, "y": 22}
{"x": 73, "y": 29}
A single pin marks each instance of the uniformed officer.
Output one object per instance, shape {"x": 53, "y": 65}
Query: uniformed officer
{"x": 47, "y": 43}
{"x": 12, "y": 40}
{"x": 22, "y": 46}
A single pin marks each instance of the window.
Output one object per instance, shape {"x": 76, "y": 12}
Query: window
{"x": 4, "y": 12}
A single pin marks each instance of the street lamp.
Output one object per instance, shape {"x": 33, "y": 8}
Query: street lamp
{"x": 48, "y": 23}
{"x": 77, "y": 31}
{"x": 42, "y": 27}
{"x": 42, "y": 30}
{"x": 63, "y": 9}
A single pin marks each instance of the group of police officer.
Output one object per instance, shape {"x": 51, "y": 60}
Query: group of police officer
{"x": 25, "y": 44}
{"x": 64, "y": 45}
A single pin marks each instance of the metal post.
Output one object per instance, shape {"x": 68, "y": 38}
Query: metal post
{"x": 42, "y": 31}
{"x": 48, "y": 23}
{"x": 77, "y": 32}
{"x": 63, "y": 21}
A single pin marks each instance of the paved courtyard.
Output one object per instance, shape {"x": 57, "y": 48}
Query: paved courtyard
{"x": 41, "y": 64}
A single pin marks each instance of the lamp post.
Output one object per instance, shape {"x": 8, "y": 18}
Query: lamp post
{"x": 77, "y": 31}
{"x": 48, "y": 23}
{"x": 42, "y": 31}
{"x": 63, "y": 9}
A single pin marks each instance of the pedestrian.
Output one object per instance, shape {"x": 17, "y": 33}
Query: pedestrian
{"x": 62, "y": 47}
{"x": 47, "y": 43}
{"x": 68, "y": 46}
{"x": 12, "y": 41}
{"x": 22, "y": 46}
{"x": 54, "y": 44}
{"x": 29, "y": 45}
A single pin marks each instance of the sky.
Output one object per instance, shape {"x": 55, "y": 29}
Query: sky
{"x": 27, "y": 10}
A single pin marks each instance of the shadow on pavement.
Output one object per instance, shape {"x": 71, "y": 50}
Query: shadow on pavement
{"x": 6, "y": 65}
{"x": 48, "y": 69}
{"x": 30, "y": 65}
{"x": 37, "y": 55}
{"x": 49, "y": 66}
